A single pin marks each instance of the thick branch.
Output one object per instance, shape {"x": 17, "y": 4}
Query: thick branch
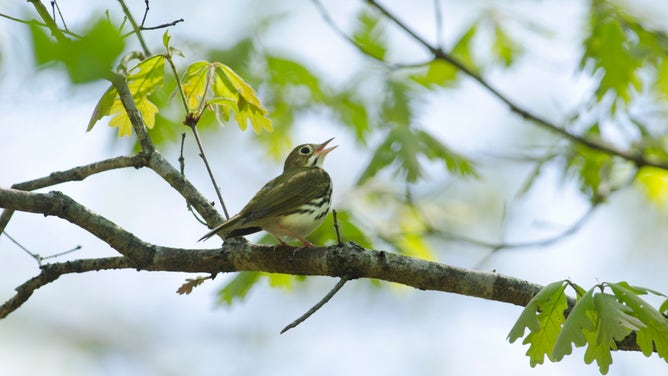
{"x": 60, "y": 205}
{"x": 343, "y": 260}
{"x": 73, "y": 174}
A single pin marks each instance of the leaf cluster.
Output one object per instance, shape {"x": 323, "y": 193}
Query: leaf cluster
{"x": 597, "y": 320}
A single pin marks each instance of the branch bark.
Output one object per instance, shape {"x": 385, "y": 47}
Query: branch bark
{"x": 346, "y": 260}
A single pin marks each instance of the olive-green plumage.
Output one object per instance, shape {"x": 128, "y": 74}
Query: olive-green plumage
{"x": 291, "y": 205}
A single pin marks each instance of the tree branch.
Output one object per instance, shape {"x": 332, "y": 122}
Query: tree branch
{"x": 73, "y": 174}
{"x": 60, "y": 205}
{"x": 347, "y": 260}
{"x": 636, "y": 157}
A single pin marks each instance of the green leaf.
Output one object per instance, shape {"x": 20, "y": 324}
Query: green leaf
{"x": 504, "y": 47}
{"x": 370, "y": 33}
{"x": 608, "y": 50}
{"x": 463, "y": 48}
{"x": 194, "y": 83}
{"x": 142, "y": 80}
{"x": 86, "y": 59}
{"x": 439, "y": 73}
{"x": 220, "y": 88}
{"x": 102, "y": 107}
{"x": 653, "y": 327}
{"x": 285, "y": 72}
{"x": 591, "y": 168}
{"x": 543, "y": 316}
{"x": 279, "y": 280}
{"x": 238, "y": 287}
{"x": 228, "y": 84}
{"x": 352, "y": 112}
{"x": 613, "y": 323}
{"x": 404, "y": 146}
{"x": 436, "y": 150}
{"x": 578, "y": 320}
{"x": 396, "y": 106}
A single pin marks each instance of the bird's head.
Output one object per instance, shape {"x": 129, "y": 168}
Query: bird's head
{"x": 307, "y": 155}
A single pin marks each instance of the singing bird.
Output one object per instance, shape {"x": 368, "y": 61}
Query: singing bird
{"x": 292, "y": 204}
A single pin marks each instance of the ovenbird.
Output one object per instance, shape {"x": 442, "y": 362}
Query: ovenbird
{"x": 291, "y": 205}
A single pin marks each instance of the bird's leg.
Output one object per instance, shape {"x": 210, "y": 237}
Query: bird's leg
{"x": 296, "y": 236}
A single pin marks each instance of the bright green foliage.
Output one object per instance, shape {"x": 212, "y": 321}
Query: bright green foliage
{"x": 654, "y": 327}
{"x": 441, "y": 73}
{"x": 463, "y": 49}
{"x": 325, "y": 234}
{"x": 238, "y": 287}
{"x": 86, "y": 59}
{"x": 592, "y": 168}
{"x": 543, "y": 316}
{"x": 142, "y": 80}
{"x": 504, "y": 47}
{"x": 370, "y": 34}
{"x": 218, "y": 86}
{"x": 598, "y": 320}
{"x": 613, "y": 323}
{"x": 579, "y": 321}
{"x": 618, "y": 46}
{"x": 608, "y": 50}
{"x": 403, "y": 148}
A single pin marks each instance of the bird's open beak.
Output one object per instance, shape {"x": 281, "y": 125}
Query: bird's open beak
{"x": 320, "y": 149}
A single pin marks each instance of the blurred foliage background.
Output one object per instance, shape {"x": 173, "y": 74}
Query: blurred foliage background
{"x": 496, "y": 128}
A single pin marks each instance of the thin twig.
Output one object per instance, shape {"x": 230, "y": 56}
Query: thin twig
{"x": 330, "y": 21}
{"x": 637, "y": 158}
{"x": 73, "y": 174}
{"x": 193, "y": 125}
{"x": 135, "y": 27}
{"x": 182, "y": 93}
{"x": 182, "y": 167}
{"x": 37, "y": 256}
{"x": 49, "y": 21}
{"x": 162, "y": 26}
{"x": 336, "y": 227}
{"x": 330, "y": 294}
{"x": 438, "y": 14}
{"x": 24, "y": 249}
{"x": 317, "y": 306}
{"x": 143, "y": 19}
{"x": 182, "y": 160}
{"x": 54, "y": 4}
{"x": 572, "y": 229}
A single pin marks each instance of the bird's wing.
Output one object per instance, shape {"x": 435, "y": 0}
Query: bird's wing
{"x": 282, "y": 196}
{"x": 277, "y": 197}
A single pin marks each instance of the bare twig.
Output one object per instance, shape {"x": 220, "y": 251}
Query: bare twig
{"x": 37, "y": 256}
{"x": 336, "y": 227}
{"x": 193, "y": 125}
{"x": 49, "y": 21}
{"x": 54, "y": 4}
{"x": 146, "y": 9}
{"x": 331, "y": 292}
{"x": 317, "y": 306}
{"x": 182, "y": 167}
{"x": 162, "y": 26}
{"x": 636, "y": 157}
{"x": 572, "y": 229}
{"x": 182, "y": 160}
{"x": 332, "y": 24}
{"x": 135, "y": 27}
{"x": 74, "y": 174}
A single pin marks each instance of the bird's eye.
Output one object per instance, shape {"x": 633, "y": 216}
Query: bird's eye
{"x": 305, "y": 150}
